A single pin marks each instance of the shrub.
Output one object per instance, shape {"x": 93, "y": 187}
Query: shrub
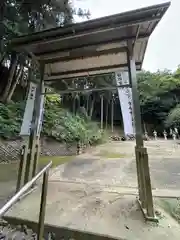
{"x": 10, "y": 119}
{"x": 66, "y": 127}
{"x": 173, "y": 118}
{"x": 58, "y": 123}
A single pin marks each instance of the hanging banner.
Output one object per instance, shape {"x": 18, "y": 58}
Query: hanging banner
{"x": 125, "y": 98}
{"x": 28, "y": 114}
{"x": 40, "y": 120}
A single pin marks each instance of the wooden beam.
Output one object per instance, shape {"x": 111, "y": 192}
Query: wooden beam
{"x": 71, "y": 78}
{"x": 111, "y": 88}
{"x": 87, "y": 70}
{"x": 78, "y": 55}
{"x": 98, "y": 43}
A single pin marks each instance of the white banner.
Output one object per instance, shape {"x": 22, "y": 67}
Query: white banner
{"x": 125, "y": 98}
{"x": 40, "y": 120}
{"x": 28, "y": 114}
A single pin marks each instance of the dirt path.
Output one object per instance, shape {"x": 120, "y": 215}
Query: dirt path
{"x": 92, "y": 206}
{"x": 114, "y": 163}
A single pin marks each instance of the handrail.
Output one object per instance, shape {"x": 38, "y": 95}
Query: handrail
{"x": 28, "y": 185}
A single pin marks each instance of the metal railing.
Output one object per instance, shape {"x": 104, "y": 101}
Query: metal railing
{"x": 24, "y": 189}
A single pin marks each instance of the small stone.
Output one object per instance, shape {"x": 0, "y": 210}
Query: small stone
{"x": 126, "y": 227}
{"x": 98, "y": 201}
{"x": 158, "y": 213}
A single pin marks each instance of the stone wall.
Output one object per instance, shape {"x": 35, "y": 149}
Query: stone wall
{"x": 10, "y": 150}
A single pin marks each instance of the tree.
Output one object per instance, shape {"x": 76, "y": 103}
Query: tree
{"x": 173, "y": 118}
{"x": 19, "y": 17}
{"x": 159, "y": 93}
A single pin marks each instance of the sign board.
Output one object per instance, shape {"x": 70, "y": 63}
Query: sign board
{"x": 28, "y": 114}
{"x": 125, "y": 98}
{"x": 40, "y": 120}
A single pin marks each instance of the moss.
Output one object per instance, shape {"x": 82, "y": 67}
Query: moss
{"x": 107, "y": 154}
{"x": 56, "y": 160}
{"x": 9, "y": 171}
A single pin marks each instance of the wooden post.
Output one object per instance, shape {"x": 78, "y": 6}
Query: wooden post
{"x": 144, "y": 181}
{"x": 139, "y": 176}
{"x": 112, "y": 115}
{"x": 43, "y": 206}
{"x": 102, "y": 111}
{"x": 87, "y": 104}
{"x": 22, "y": 167}
{"x": 135, "y": 96}
{"x": 36, "y": 159}
{"x": 25, "y": 132}
{"x": 107, "y": 113}
{"x": 34, "y": 127}
{"x": 147, "y": 182}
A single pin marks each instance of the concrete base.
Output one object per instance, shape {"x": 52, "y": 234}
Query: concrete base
{"x": 147, "y": 218}
{"x": 93, "y": 209}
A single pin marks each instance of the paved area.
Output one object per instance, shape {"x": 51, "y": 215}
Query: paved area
{"x": 98, "y": 166}
{"x": 7, "y": 191}
{"x": 87, "y": 193}
{"x": 92, "y": 209}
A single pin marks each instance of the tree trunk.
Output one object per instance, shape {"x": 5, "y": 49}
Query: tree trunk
{"x": 107, "y": 105}
{"x": 87, "y": 104}
{"x": 92, "y": 108}
{"x": 112, "y": 116}
{"x": 62, "y": 100}
{"x": 74, "y": 104}
{"x": 14, "y": 84}
{"x": 2, "y": 58}
{"x": 12, "y": 68}
{"x": 78, "y": 102}
{"x": 102, "y": 112}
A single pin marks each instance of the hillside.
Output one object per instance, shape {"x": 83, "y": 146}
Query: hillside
{"x": 58, "y": 123}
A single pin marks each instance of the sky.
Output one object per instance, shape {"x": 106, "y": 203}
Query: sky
{"x": 163, "y": 51}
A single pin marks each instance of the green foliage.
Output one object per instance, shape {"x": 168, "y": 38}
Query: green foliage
{"x": 58, "y": 123}
{"x": 66, "y": 127}
{"x": 10, "y": 119}
{"x": 22, "y": 17}
{"x": 154, "y": 85}
{"x": 159, "y": 93}
{"x": 173, "y": 118}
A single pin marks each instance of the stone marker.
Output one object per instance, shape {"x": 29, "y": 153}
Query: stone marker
{"x": 155, "y": 134}
{"x": 165, "y": 134}
{"x": 174, "y": 136}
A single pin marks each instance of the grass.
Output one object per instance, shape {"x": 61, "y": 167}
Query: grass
{"x": 107, "y": 154}
{"x": 8, "y": 172}
{"x": 55, "y": 160}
